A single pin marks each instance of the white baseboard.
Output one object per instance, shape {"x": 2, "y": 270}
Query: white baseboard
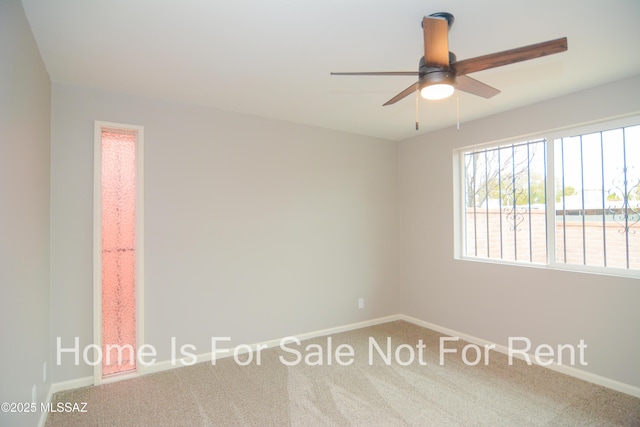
{"x": 43, "y": 415}
{"x": 563, "y": 369}
{"x": 71, "y": 384}
{"x": 62, "y": 386}
{"x": 206, "y": 357}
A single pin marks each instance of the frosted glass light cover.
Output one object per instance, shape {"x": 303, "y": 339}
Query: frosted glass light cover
{"x": 118, "y": 252}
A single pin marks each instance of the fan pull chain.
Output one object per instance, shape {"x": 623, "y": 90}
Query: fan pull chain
{"x": 417, "y": 115}
{"x": 457, "y": 112}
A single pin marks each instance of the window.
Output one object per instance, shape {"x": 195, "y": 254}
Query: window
{"x": 505, "y": 202}
{"x": 569, "y": 200}
{"x": 117, "y": 248}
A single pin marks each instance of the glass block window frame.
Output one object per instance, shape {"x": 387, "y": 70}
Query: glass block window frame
{"x": 118, "y": 250}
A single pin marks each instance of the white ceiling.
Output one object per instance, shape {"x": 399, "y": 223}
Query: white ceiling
{"x": 272, "y": 58}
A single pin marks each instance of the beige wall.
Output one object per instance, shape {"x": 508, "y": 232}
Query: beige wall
{"x": 492, "y": 301}
{"x": 254, "y": 229}
{"x": 25, "y": 93}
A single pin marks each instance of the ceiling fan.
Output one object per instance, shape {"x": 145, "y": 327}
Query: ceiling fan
{"x": 439, "y": 70}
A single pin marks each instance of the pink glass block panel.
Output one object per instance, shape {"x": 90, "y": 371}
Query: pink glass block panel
{"x": 118, "y": 252}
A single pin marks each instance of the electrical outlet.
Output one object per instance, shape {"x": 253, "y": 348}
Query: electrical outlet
{"x": 360, "y": 302}
{"x": 44, "y": 372}
{"x": 34, "y": 394}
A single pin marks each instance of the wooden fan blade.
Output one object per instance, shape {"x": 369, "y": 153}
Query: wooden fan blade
{"x": 511, "y": 56}
{"x": 408, "y": 91}
{"x": 436, "y": 42}
{"x": 475, "y": 87}
{"x": 377, "y": 73}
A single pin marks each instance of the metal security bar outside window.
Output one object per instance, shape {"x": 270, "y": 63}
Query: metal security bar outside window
{"x": 597, "y": 212}
{"x": 569, "y": 201}
{"x": 505, "y": 215}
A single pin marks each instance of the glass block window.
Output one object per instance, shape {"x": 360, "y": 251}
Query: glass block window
{"x": 118, "y": 213}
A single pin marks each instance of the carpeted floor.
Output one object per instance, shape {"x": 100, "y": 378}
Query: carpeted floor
{"x": 423, "y": 393}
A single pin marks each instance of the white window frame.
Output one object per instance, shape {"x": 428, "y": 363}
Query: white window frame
{"x": 549, "y": 137}
{"x": 99, "y": 126}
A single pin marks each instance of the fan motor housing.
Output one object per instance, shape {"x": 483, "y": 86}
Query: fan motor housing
{"x": 423, "y": 68}
{"x": 434, "y": 75}
{"x": 437, "y": 77}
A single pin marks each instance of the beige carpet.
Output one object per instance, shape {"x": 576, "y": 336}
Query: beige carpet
{"x": 274, "y": 394}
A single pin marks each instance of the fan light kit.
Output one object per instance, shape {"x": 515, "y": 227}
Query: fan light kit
{"x": 437, "y": 91}
{"x": 437, "y": 84}
{"x": 439, "y": 73}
